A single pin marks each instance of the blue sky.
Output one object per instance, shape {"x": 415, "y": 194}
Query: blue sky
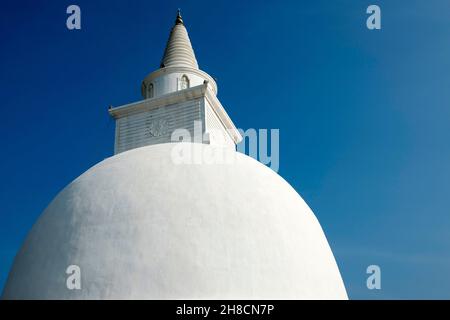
{"x": 364, "y": 116}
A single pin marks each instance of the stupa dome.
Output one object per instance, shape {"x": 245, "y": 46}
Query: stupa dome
{"x": 141, "y": 226}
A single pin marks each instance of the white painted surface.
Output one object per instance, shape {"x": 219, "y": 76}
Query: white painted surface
{"x": 178, "y": 61}
{"x": 179, "y": 50}
{"x": 136, "y": 122}
{"x": 169, "y": 81}
{"x": 141, "y": 227}
{"x": 134, "y": 130}
{"x": 215, "y": 128}
{"x": 156, "y": 126}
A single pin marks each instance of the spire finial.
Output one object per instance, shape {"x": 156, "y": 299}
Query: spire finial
{"x": 179, "y": 20}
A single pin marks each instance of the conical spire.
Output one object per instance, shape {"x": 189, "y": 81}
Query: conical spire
{"x": 179, "y": 52}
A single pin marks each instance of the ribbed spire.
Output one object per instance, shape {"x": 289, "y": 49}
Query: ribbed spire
{"x": 179, "y": 50}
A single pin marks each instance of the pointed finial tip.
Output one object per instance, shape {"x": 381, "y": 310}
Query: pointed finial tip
{"x": 179, "y": 20}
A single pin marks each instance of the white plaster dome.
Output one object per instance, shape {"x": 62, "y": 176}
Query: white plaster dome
{"x": 140, "y": 226}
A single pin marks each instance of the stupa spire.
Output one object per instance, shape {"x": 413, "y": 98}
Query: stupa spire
{"x": 179, "y": 52}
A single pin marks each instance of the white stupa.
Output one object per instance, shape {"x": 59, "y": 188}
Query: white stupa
{"x": 140, "y": 225}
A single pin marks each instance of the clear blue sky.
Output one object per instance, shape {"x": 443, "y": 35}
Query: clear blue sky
{"x": 364, "y": 116}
